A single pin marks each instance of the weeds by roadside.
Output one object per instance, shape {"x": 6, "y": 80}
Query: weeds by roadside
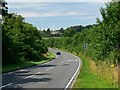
{"x": 94, "y": 76}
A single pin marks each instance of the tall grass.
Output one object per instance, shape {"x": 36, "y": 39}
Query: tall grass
{"x": 88, "y": 78}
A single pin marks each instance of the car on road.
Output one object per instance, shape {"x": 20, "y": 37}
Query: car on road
{"x": 58, "y": 53}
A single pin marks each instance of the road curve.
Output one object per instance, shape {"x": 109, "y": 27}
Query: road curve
{"x": 58, "y": 73}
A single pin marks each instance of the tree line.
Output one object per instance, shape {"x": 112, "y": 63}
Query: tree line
{"x": 21, "y": 41}
{"x": 101, "y": 41}
{"x": 68, "y": 32}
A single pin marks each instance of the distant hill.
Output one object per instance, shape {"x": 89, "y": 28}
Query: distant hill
{"x": 68, "y": 32}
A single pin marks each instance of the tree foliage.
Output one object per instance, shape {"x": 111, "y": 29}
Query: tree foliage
{"x": 20, "y": 40}
{"x": 70, "y": 31}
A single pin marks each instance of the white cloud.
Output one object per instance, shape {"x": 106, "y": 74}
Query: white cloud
{"x": 29, "y": 14}
{"x": 49, "y": 14}
{"x": 74, "y": 13}
{"x": 26, "y": 4}
{"x": 89, "y": 17}
{"x": 35, "y": 14}
{"x": 58, "y": 0}
{"x": 52, "y": 13}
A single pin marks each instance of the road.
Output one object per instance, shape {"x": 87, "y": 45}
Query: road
{"x": 58, "y": 73}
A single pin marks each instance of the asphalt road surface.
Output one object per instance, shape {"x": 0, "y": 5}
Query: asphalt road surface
{"x": 58, "y": 73}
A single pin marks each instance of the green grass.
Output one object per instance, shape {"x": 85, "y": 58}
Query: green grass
{"x": 88, "y": 79}
{"x": 20, "y": 65}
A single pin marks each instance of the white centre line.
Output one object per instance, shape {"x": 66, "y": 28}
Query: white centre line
{"x": 23, "y": 70}
{"x": 6, "y": 85}
{"x": 49, "y": 68}
{"x": 62, "y": 62}
{"x": 29, "y": 76}
{"x": 72, "y": 60}
{"x": 32, "y": 75}
{"x": 38, "y": 73}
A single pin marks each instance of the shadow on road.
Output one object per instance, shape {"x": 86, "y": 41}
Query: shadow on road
{"x": 18, "y": 78}
{"x": 47, "y": 65}
{"x": 29, "y": 80}
{"x": 65, "y": 64}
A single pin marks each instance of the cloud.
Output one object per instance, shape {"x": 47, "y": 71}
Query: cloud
{"x": 50, "y": 14}
{"x": 43, "y": 9}
{"x": 53, "y": 15}
{"x": 58, "y": 0}
{"x": 19, "y": 5}
{"x": 89, "y": 17}
{"x": 75, "y": 13}
{"x": 29, "y": 14}
{"x": 37, "y": 14}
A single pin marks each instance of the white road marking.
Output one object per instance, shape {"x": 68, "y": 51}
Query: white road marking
{"x": 62, "y": 62}
{"x": 32, "y": 75}
{"x": 69, "y": 60}
{"x": 75, "y": 59}
{"x": 38, "y": 72}
{"x": 6, "y": 85}
{"x": 23, "y": 70}
{"x": 72, "y": 60}
{"x": 49, "y": 68}
{"x": 28, "y": 76}
{"x": 73, "y": 77}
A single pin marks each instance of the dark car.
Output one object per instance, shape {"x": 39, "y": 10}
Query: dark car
{"x": 58, "y": 53}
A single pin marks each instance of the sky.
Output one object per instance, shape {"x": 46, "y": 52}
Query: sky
{"x": 56, "y": 15}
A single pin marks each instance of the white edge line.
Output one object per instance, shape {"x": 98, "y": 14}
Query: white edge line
{"x": 74, "y": 73}
{"x": 38, "y": 73}
{"x": 29, "y": 76}
{"x": 49, "y": 68}
{"x": 6, "y": 85}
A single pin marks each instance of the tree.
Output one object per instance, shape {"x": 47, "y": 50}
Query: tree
{"x": 48, "y": 32}
{"x": 3, "y": 8}
{"x": 21, "y": 41}
{"x": 61, "y": 30}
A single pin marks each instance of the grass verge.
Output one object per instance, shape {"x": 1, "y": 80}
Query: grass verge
{"x": 88, "y": 79}
{"x": 20, "y": 65}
